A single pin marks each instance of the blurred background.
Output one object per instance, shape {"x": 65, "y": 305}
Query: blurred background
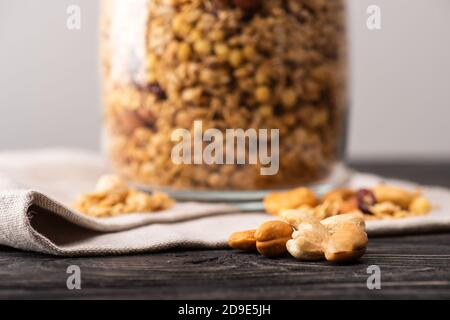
{"x": 50, "y": 93}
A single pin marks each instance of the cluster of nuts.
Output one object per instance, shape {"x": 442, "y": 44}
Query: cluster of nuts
{"x": 270, "y": 64}
{"x": 113, "y": 197}
{"x": 337, "y": 239}
{"x": 380, "y": 202}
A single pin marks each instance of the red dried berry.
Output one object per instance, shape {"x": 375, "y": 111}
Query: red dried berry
{"x": 366, "y": 198}
{"x": 147, "y": 117}
{"x": 156, "y": 90}
{"x": 248, "y": 5}
{"x": 221, "y": 4}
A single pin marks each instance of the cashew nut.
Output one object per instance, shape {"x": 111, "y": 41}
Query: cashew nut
{"x": 308, "y": 242}
{"x": 111, "y": 183}
{"x": 398, "y": 196}
{"x": 347, "y": 243}
{"x": 332, "y": 223}
{"x": 337, "y": 239}
{"x": 296, "y": 217}
{"x": 293, "y": 199}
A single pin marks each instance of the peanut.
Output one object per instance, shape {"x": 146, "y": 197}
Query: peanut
{"x": 271, "y": 238}
{"x": 243, "y": 240}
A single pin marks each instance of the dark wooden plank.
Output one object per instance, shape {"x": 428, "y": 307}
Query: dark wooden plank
{"x": 412, "y": 267}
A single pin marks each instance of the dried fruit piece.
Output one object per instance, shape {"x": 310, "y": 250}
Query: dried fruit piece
{"x": 366, "y": 199}
{"x": 221, "y": 4}
{"x": 128, "y": 121}
{"x": 248, "y": 5}
{"x": 156, "y": 89}
{"x": 147, "y": 117}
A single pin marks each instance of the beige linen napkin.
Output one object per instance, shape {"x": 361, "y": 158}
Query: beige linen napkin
{"x": 36, "y": 186}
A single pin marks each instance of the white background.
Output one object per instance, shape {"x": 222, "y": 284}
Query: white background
{"x": 49, "y": 79}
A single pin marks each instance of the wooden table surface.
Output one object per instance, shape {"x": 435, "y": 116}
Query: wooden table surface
{"x": 412, "y": 267}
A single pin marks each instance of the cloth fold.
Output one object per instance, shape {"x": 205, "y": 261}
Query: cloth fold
{"x": 37, "y": 186}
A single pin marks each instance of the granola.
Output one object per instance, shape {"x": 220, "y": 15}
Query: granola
{"x": 112, "y": 198}
{"x": 232, "y": 64}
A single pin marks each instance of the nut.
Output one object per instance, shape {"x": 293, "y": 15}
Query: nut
{"x": 385, "y": 209}
{"x": 271, "y": 238}
{"x": 347, "y": 243}
{"x": 112, "y": 197}
{"x": 339, "y": 194}
{"x": 289, "y": 98}
{"x": 400, "y": 197}
{"x": 339, "y": 238}
{"x": 184, "y": 52}
{"x": 296, "y": 217}
{"x": 308, "y": 241}
{"x": 420, "y": 206}
{"x": 327, "y": 209}
{"x": 111, "y": 183}
{"x": 235, "y": 58}
{"x": 348, "y": 206}
{"x": 332, "y": 223}
{"x": 262, "y": 94}
{"x": 243, "y": 240}
{"x": 278, "y": 201}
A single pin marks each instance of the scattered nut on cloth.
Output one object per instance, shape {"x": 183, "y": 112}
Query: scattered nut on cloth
{"x": 113, "y": 197}
{"x": 37, "y": 187}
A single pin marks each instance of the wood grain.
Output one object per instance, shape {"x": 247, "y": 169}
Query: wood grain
{"x": 412, "y": 267}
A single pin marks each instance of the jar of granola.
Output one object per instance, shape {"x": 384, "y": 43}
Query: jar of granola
{"x": 225, "y": 98}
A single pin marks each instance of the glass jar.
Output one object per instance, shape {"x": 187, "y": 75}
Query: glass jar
{"x": 276, "y": 67}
